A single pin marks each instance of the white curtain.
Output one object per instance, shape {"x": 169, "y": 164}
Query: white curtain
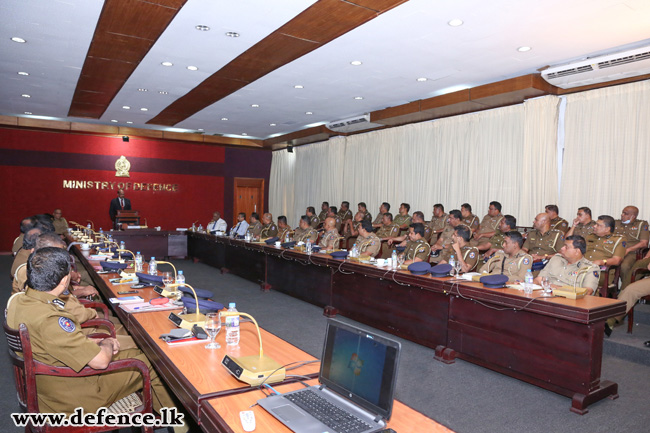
{"x": 606, "y": 150}
{"x": 281, "y": 188}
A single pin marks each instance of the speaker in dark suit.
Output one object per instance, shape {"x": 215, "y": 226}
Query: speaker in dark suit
{"x": 119, "y": 203}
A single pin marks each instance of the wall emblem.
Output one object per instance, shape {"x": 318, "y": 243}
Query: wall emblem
{"x": 122, "y": 167}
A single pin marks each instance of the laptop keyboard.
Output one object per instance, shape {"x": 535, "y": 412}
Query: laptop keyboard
{"x": 332, "y": 416}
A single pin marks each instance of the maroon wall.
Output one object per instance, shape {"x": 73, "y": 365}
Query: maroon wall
{"x": 35, "y": 164}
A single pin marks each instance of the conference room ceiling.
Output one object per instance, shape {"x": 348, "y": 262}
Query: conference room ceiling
{"x": 290, "y": 67}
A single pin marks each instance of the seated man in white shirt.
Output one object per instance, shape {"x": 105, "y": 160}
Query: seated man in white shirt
{"x": 241, "y": 227}
{"x": 217, "y": 224}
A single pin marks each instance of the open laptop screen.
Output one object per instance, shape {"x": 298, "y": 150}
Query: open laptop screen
{"x": 360, "y": 365}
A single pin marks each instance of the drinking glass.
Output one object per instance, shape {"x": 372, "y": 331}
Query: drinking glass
{"x": 457, "y": 267}
{"x": 400, "y": 260}
{"x": 212, "y": 327}
{"x": 167, "y": 278}
{"x": 546, "y": 285}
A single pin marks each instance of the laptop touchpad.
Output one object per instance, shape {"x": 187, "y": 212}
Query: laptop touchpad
{"x": 288, "y": 413}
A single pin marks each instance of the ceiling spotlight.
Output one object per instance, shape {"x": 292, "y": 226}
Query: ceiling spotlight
{"x": 162, "y": 92}
{"x": 356, "y": 63}
{"x": 272, "y": 124}
{"x": 421, "y": 79}
{"x": 28, "y": 112}
{"x": 232, "y": 34}
{"x": 243, "y": 133}
{"x": 202, "y": 28}
{"x": 129, "y": 122}
{"x": 144, "y": 109}
{"x": 113, "y": 120}
{"x": 298, "y": 86}
{"x": 167, "y": 64}
{"x": 192, "y": 68}
{"x": 126, "y": 107}
{"x": 255, "y": 106}
{"x": 200, "y": 129}
{"x": 19, "y": 40}
{"x": 308, "y": 112}
{"x": 23, "y": 73}
{"x": 25, "y": 95}
{"x": 358, "y": 98}
{"x": 455, "y": 22}
{"x": 142, "y": 90}
{"x": 224, "y": 118}
{"x": 523, "y": 49}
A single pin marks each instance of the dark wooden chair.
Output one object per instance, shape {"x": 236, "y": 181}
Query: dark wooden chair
{"x": 607, "y": 289}
{"x": 630, "y": 314}
{"x": 26, "y": 368}
{"x": 97, "y": 306}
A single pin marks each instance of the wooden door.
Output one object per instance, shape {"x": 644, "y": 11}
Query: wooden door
{"x": 249, "y": 197}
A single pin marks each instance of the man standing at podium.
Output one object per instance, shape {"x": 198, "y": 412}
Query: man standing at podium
{"x": 118, "y": 203}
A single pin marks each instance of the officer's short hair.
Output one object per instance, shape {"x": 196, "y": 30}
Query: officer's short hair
{"x": 463, "y": 232}
{"x": 386, "y": 206}
{"x": 29, "y": 241}
{"x": 466, "y": 206}
{"x": 407, "y": 206}
{"x": 334, "y": 209}
{"x": 45, "y": 222}
{"x": 609, "y": 222}
{"x": 345, "y": 203}
{"x": 552, "y": 208}
{"x": 586, "y": 210}
{"x": 439, "y": 206}
{"x": 243, "y": 214}
{"x": 578, "y": 242}
{"x": 305, "y": 218}
{"x": 363, "y": 205}
{"x": 47, "y": 267}
{"x": 515, "y": 236}
{"x": 311, "y": 209}
{"x": 510, "y": 221}
{"x": 326, "y": 203}
{"x": 49, "y": 240}
{"x": 366, "y": 225}
{"x": 389, "y": 215}
{"x": 256, "y": 216}
{"x": 282, "y": 218}
{"x": 419, "y": 214}
{"x": 26, "y": 224}
{"x": 418, "y": 228}
{"x": 496, "y": 205}
{"x": 456, "y": 214}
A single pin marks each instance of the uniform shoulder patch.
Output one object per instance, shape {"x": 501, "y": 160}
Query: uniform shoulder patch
{"x": 66, "y": 324}
{"x": 623, "y": 243}
{"x": 526, "y": 261}
{"x": 596, "y": 274}
{"x": 472, "y": 255}
{"x": 58, "y": 302}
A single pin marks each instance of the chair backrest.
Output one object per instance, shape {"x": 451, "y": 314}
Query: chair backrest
{"x": 20, "y": 352}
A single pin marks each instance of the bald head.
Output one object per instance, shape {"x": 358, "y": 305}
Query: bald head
{"x": 542, "y": 222}
{"x": 629, "y": 214}
{"x": 330, "y": 223}
{"x": 267, "y": 218}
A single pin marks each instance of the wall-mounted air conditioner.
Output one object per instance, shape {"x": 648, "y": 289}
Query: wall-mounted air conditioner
{"x": 353, "y": 124}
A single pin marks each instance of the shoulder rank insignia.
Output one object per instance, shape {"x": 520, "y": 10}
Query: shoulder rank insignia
{"x": 66, "y": 324}
{"x": 58, "y": 302}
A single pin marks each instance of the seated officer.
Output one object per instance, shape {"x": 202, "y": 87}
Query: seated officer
{"x": 507, "y": 224}
{"x": 60, "y": 224}
{"x": 631, "y": 295}
{"x": 603, "y": 246}
{"x": 217, "y": 224}
{"x": 305, "y": 231}
{"x": 57, "y": 340}
{"x": 488, "y": 227}
{"x": 29, "y": 241}
{"x": 313, "y": 219}
{"x": 556, "y": 222}
{"x": 332, "y": 213}
{"x": 635, "y": 234}
{"x": 283, "y": 228}
{"x": 543, "y": 242}
{"x": 368, "y": 242}
{"x": 255, "y": 227}
{"x": 418, "y": 217}
{"x": 570, "y": 268}
{"x": 403, "y": 219}
{"x": 324, "y": 209}
{"x": 241, "y": 227}
{"x": 345, "y": 213}
{"x": 387, "y": 230}
{"x": 269, "y": 228}
{"x": 454, "y": 220}
{"x": 469, "y": 219}
{"x": 385, "y": 207}
{"x": 361, "y": 207}
{"x": 583, "y": 225}
{"x": 417, "y": 249}
{"x": 438, "y": 219}
{"x": 351, "y": 227}
{"x": 331, "y": 238}
{"x": 461, "y": 249}
{"x": 511, "y": 260}
{"x": 25, "y": 225}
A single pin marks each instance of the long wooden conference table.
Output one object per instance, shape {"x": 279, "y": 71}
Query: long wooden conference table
{"x": 209, "y": 393}
{"x": 555, "y": 343}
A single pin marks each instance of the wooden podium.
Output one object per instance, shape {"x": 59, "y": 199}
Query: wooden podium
{"x": 128, "y": 217}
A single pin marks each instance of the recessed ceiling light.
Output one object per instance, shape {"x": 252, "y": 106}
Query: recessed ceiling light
{"x": 28, "y": 112}
{"x": 162, "y": 92}
{"x": 358, "y": 97}
{"x": 202, "y": 28}
{"x": 243, "y": 133}
{"x": 455, "y": 22}
{"x": 144, "y": 109}
{"x": 129, "y": 122}
{"x": 255, "y": 106}
{"x": 142, "y": 90}
{"x": 356, "y": 62}
{"x": 232, "y": 34}
{"x": 167, "y": 64}
{"x": 114, "y": 121}
{"x": 19, "y": 40}
{"x": 421, "y": 79}
{"x": 308, "y": 112}
{"x": 272, "y": 124}
{"x": 192, "y": 68}
{"x": 523, "y": 49}
{"x": 200, "y": 129}
{"x": 224, "y": 118}
{"x": 23, "y": 73}
{"x": 298, "y": 86}
{"x": 126, "y": 107}
{"x": 25, "y": 95}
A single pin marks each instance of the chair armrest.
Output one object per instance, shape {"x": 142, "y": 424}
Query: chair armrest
{"x": 604, "y": 270}
{"x": 97, "y": 323}
{"x": 637, "y": 273}
{"x": 96, "y": 305}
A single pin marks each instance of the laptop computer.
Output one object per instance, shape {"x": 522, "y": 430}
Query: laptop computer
{"x": 357, "y": 375}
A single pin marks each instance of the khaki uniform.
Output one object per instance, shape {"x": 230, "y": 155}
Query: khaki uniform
{"x": 344, "y": 215}
{"x": 560, "y": 224}
{"x": 303, "y": 235}
{"x": 632, "y": 233}
{"x": 488, "y": 224}
{"x": 255, "y": 229}
{"x": 269, "y": 230}
{"x": 330, "y": 238}
{"x": 471, "y": 221}
{"x": 419, "y": 249}
{"x": 514, "y": 268}
{"x": 339, "y": 223}
{"x": 548, "y": 243}
{"x": 57, "y": 340}
{"x": 496, "y": 241}
{"x": 367, "y": 216}
{"x": 282, "y": 233}
{"x": 314, "y": 221}
{"x": 18, "y": 243}
{"x": 633, "y": 293}
{"x": 446, "y": 235}
{"x": 605, "y": 247}
{"x": 470, "y": 255}
{"x": 427, "y": 233}
{"x": 561, "y": 272}
{"x": 378, "y": 219}
{"x": 400, "y": 220}
{"x": 21, "y": 258}
{"x": 584, "y": 230}
{"x": 60, "y": 226}
{"x": 322, "y": 215}
{"x": 388, "y": 231}
{"x": 438, "y": 224}
{"x": 369, "y": 246}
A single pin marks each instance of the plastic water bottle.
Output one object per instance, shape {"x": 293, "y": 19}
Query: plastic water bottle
{"x": 232, "y": 327}
{"x": 101, "y": 231}
{"x": 193, "y": 227}
{"x": 153, "y": 266}
{"x": 200, "y": 228}
{"x": 138, "y": 262}
{"x": 122, "y": 245}
{"x": 308, "y": 246}
{"x": 287, "y": 238}
{"x": 393, "y": 259}
{"x": 452, "y": 261}
{"x": 180, "y": 278}
{"x": 528, "y": 282}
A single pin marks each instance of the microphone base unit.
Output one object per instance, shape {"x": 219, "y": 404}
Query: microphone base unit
{"x": 187, "y": 321}
{"x": 166, "y": 293}
{"x": 254, "y": 370}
